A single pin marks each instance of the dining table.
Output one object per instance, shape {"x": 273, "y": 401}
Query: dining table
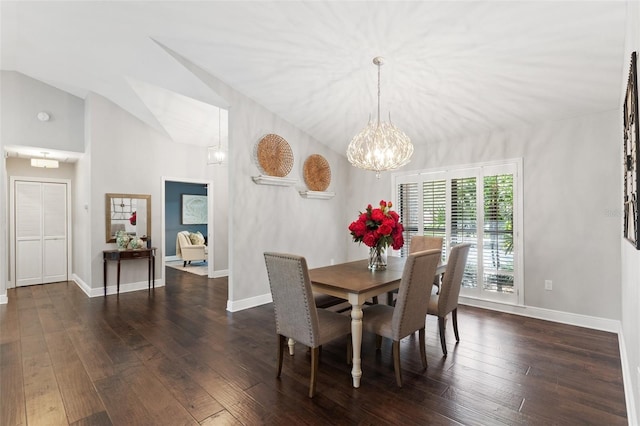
{"x": 354, "y": 282}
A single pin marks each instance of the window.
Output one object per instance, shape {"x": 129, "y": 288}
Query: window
{"x": 476, "y": 204}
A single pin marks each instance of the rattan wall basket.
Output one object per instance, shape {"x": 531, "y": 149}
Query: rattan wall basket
{"x": 317, "y": 173}
{"x": 274, "y": 155}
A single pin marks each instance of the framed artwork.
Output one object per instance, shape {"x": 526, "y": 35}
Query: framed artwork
{"x": 194, "y": 209}
{"x": 630, "y": 156}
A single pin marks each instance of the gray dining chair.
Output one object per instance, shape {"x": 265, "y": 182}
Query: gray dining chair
{"x": 446, "y": 299}
{"x": 295, "y": 311}
{"x": 420, "y": 243}
{"x": 410, "y": 310}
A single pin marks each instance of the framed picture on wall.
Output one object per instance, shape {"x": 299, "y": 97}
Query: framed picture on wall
{"x": 630, "y": 159}
{"x": 194, "y": 209}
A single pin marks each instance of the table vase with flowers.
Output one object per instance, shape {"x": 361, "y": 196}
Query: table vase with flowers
{"x": 378, "y": 229}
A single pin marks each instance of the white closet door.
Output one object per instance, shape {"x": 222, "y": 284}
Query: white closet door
{"x": 54, "y": 237}
{"x": 41, "y": 232}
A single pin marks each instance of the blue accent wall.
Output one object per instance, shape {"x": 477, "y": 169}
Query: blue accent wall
{"x": 172, "y": 209}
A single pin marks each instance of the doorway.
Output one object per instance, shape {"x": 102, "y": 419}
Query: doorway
{"x": 173, "y": 220}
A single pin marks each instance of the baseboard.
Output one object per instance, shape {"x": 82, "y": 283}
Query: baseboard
{"x": 4, "y": 299}
{"x": 221, "y": 273}
{"x": 596, "y": 323}
{"x": 80, "y": 283}
{"x": 629, "y": 394}
{"x": 112, "y": 289}
{"x": 171, "y": 258}
{"x": 251, "y": 302}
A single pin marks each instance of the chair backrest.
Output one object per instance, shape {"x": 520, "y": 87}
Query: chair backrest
{"x": 423, "y": 242}
{"x": 414, "y": 293}
{"x": 452, "y": 280}
{"x": 294, "y": 306}
{"x": 182, "y": 239}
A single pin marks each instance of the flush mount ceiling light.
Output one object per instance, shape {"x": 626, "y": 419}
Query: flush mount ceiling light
{"x": 45, "y": 162}
{"x": 380, "y": 146}
{"x": 217, "y": 154}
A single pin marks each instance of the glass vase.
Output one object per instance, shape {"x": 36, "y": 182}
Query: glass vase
{"x": 122, "y": 239}
{"x": 378, "y": 258}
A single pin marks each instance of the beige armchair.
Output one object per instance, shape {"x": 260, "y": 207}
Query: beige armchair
{"x": 188, "y": 251}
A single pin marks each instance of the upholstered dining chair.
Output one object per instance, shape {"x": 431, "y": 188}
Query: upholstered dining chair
{"x": 296, "y": 314}
{"x": 424, "y": 242}
{"x": 420, "y": 243}
{"x": 410, "y": 310}
{"x": 446, "y": 299}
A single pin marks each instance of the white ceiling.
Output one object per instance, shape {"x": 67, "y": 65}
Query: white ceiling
{"x": 453, "y": 68}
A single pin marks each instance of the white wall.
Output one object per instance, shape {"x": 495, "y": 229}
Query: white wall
{"x": 131, "y": 157}
{"x": 23, "y": 97}
{"x": 4, "y": 228}
{"x": 121, "y": 154}
{"x": 268, "y": 218}
{"x": 570, "y": 235}
{"x": 630, "y": 256}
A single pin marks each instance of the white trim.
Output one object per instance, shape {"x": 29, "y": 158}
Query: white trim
{"x": 452, "y": 167}
{"x": 171, "y": 258}
{"x": 478, "y": 171}
{"x": 83, "y": 286}
{"x": 4, "y": 299}
{"x": 112, "y": 289}
{"x": 629, "y": 397}
{"x": 221, "y": 273}
{"x": 596, "y": 323}
{"x": 251, "y": 302}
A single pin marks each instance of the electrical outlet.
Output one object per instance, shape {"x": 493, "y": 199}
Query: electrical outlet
{"x": 548, "y": 285}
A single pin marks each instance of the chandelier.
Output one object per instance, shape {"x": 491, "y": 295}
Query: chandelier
{"x": 380, "y": 145}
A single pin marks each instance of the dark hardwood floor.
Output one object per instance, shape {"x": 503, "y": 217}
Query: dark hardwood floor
{"x": 174, "y": 356}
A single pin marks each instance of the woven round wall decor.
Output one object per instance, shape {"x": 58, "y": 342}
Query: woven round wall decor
{"x": 317, "y": 173}
{"x": 274, "y": 155}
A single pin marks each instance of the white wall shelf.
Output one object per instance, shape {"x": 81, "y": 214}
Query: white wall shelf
{"x": 273, "y": 180}
{"x": 317, "y": 195}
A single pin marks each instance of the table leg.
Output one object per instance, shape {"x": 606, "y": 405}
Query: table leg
{"x": 153, "y": 268}
{"x": 118, "y": 283}
{"x": 291, "y": 343}
{"x": 104, "y": 275}
{"x": 356, "y": 341}
{"x": 149, "y": 273}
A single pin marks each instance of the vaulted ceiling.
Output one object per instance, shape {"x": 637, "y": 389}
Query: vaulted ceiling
{"x": 452, "y": 68}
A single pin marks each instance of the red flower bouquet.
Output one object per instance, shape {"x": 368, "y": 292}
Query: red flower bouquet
{"x": 378, "y": 228}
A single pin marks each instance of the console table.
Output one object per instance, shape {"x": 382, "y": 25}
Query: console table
{"x": 118, "y": 255}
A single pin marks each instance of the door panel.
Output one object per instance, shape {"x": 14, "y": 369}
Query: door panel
{"x": 55, "y": 232}
{"x": 55, "y": 260}
{"x": 28, "y": 262}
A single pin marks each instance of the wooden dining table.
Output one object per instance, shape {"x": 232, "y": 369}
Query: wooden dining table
{"x": 354, "y": 282}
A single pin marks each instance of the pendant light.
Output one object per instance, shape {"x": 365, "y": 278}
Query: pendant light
{"x": 217, "y": 154}
{"x": 380, "y": 145}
